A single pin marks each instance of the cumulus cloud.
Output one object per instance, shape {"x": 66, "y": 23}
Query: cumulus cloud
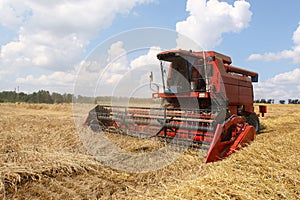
{"x": 147, "y": 59}
{"x": 145, "y": 64}
{"x": 11, "y": 12}
{"x": 282, "y": 86}
{"x": 118, "y": 66}
{"x": 117, "y": 59}
{"x": 54, "y": 34}
{"x": 59, "y": 80}
{"x": 56, "y": 78}
{"x": 208, "y": 20}
{"x": 117, "y": 63}
{"x": 105, "y": 75}
{"x": 52, "y": 52}
{"x": 293, "y": 53}
{"x": 120, "y": 72}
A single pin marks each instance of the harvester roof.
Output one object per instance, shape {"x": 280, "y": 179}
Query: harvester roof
{"x": 171, "y": 54}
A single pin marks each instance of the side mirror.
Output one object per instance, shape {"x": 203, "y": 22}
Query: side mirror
{"x": 151, "y": 77}
{"x": 151, "y": 83}
{"x": 254, "y": 79}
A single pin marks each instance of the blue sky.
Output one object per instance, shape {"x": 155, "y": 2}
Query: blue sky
{"x": 43, "y": 44}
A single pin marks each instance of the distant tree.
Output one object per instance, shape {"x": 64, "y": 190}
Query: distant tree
{"x": 263, "y": 101}
{"x": 282, "y": 101}
{"x": 68, "y": 98}
{"x": 33, "y": 98}
{"x": 57, "y": 98}
{"x": 22, "y": 97}
{"x": 44, "y": 96}
{"x": 270, "y": 101}
{"x": 293, "y": 101}
{"x": 9, "y": 96}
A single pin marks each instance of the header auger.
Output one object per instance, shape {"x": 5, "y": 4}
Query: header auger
{"x": 207, "y": 103}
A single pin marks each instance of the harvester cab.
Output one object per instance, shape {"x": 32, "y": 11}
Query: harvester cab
{"x": 188, "y": 77}
{"x": 207, "y": 104}
{"x": 186, "y": 72}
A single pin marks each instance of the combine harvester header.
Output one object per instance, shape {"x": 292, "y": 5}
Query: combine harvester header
{"x": 207, "y": 103}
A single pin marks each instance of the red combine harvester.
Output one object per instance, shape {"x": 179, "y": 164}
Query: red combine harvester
{"x": 207, "y": 103}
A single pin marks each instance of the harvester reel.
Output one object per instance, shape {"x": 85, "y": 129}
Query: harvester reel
{"x": 164, "y": 128}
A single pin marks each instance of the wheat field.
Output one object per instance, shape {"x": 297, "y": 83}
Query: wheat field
{"x": 42, "y": 157}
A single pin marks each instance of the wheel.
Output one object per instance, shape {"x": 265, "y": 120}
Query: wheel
{"x": 95, "y": 126}
{"x": 254, "y": 121}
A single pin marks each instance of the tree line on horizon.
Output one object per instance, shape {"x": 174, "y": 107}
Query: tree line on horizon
{"x": 271, "y": 101}
{"x": 43, "y": 96}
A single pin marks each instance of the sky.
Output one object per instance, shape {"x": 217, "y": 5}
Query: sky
{"x": 45, "y": 44}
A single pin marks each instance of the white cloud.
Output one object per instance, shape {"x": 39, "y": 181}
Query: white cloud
{"x": 208, "y": 20}
{"x": 106, "y": 71}
{"x": 53, "y": 34}
{"x": 147, "y": 59}
{"x": 287, "y": 78}
{"x": 282, "y": 86}
{"x": 57, "y": 81}
{"x": 4, "y": 74}
{"x": 117, "y": 63}
{"x": 145, "y": 64}
{"x": 293, "y": 53}
{"x": 285, "y": 85}
{"x": 98, "y": 75}
{"x": 117, "y": 58}
{"x": 10, "y": 12}
{"x": 56, "y": 78}
{"x": 119, "y": 73}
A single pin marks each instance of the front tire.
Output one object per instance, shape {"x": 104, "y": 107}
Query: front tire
{"x": 95, "y": 126}
{"x": 253, "y": 120}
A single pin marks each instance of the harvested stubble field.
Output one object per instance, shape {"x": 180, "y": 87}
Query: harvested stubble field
{"x": 41, "y": 157}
